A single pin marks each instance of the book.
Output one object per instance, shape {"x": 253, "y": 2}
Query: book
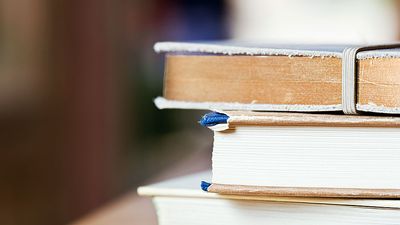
{"x": 180, "y": 201}
{"x": 302, "y": 78}
{"x": 295, "y": 154}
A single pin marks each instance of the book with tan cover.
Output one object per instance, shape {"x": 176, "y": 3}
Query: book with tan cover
{"x": 237, "y": 76}
{"x": 295, "y": 154}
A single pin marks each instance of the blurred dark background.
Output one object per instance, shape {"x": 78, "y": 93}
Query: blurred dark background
{"x": 78, "y": 125}
{"x": 77, "y": 78}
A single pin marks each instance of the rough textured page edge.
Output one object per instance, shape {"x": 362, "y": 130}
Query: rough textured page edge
{"x": 160, "y": 47}
{"x": 163, "y": 103}
{"x": 237, "y": 50}
{"x": 378, "y": 109}
{"x": 394, "y": 53}
{"x": 227, "y": 189}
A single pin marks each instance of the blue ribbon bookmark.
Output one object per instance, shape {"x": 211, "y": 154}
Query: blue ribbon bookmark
{"x": 204, "y": 185}
{"x": 213, "y": 118}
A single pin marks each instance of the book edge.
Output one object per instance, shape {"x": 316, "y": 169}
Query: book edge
{"x": 153, "y": 191}
{"x": 227, "y": 49}
{"x": 352, "y": 193}
{"x": 163, "y": 103}
{"x": 214, "y": 48}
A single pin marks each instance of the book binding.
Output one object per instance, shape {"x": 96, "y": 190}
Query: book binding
{"x": 227, "y": 189}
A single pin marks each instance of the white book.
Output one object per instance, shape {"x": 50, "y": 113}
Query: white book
{"x": 297, "y": 154}
{"x": 180, "y": 201}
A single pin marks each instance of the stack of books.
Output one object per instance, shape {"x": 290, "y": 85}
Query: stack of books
{"x": 284, "y": 152}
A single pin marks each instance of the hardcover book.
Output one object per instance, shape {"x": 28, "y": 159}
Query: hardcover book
{"x": 303, "y": 78}
{"x": 181, "y": 202}
{"x": 294, "y": 154}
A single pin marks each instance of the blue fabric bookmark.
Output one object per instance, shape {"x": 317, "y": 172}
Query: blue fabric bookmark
{"x": 213, "y": 118}
{"x": 204, "y": 185}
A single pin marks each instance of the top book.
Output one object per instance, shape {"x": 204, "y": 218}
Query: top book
{"x": 302, "y": 78}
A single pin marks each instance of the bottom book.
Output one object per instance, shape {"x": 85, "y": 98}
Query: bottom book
{"x": 180, "y": 201}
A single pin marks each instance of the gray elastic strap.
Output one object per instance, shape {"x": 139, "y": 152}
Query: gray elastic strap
{"x": 349, "y": 81}
{"x": 349, "y": 75}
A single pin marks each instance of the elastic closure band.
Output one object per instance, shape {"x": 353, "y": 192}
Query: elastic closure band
{"x": 349, "y": 80}
{"x": 349, "y": 75}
